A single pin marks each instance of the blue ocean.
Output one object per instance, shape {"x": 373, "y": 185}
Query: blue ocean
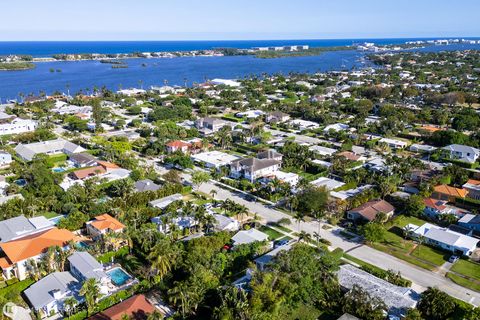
{"x": 85, "y": 75}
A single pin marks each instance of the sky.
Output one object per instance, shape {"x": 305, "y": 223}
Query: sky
{"x": 30, "y": 20}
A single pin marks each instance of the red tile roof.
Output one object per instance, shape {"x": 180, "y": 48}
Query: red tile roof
{"x": 178, "y": 144}
{"x": 450, "y": 191}
{"x": 33, "y": 245}
{"x": 106, "y": 221}
{"x": 136, "y": 307}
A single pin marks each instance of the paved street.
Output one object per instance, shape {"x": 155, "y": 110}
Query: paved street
{"x": 420, "y": 277}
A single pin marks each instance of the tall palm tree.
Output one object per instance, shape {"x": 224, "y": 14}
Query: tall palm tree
{"x": 162, "y": 258}
{"x": 299, "y": 217}
{"x": 179, "y": 296}
{"x": 304, "y": 236}
{"x": 213, "y": 193}
{"x": 91, "y": 291}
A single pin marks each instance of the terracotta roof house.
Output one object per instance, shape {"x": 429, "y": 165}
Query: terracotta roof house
{"x": 177, "y": 145}
{"x": 349, "y": 155}
{"x": 103, "y": 224}
{"x": 136, "y": 307}
{"x": 16, "y": 253}
{"x": 368, "y": 211}
{"x": 447, "y": 193}
{"x": 102, "y": 168}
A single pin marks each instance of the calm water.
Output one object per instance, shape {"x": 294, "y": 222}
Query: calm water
{"x": 48, "y": 48}
{"x": 83, "y": 75}
{"x": 87, "y": 74}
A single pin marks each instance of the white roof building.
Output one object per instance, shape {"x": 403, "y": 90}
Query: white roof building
{"x": 215, "y": 159}
{"x": 29, "y": 151}
{"x": 328, "y": 183}
{"x": 397, "y": 299}
{"x": 248, "y": 236}
{"x": 394, "y": 143}
{"x": 323, "y": 151}
{"x": 444, "y": 238}
{"x": 336, "y": 127}
{"x": 303, "y": 124}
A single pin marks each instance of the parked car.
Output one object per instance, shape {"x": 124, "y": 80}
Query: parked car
{"x": 280, "y": 243}
{"x": 453, "y": 259}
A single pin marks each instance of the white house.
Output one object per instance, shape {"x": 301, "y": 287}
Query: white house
{"x": 462, "y": 153}
{"x": 248, "y": 236}
{"x": 5, "y": 158}
{"x": 303, "y": 124}
{"x": 394, "y": 143}
{"x": 254, "y": 168}
{"x": 29, "y": 151}
{"x": 323, "y": 151}
{"x": 252, "y": 114}
{"x": 328, "y": 183}
{"x": 16, "y": 253}
{"x": 444, "y": 238}
{"x": 422, "y": 148}
{"x": 104, "y": 224}
{"x": 18, "y": 126}
{"x": 336, "y": 127}
{"x": 47, "y": 296}
{"x": 214, "y": 159}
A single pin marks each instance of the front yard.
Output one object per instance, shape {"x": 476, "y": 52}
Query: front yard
{"x": 396, "y": 245}
{"x": 272, "y": 234}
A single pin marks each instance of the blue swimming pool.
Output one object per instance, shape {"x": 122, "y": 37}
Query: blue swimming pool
{"x": 82, "y": 245}
{"x": 118, "y": 276}
{"x": 57, "y": 170}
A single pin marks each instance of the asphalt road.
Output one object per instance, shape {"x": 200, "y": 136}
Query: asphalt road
{"x": 421, "y": 278}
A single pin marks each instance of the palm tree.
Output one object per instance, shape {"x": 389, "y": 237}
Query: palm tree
{"x": 162, "y": 258}
{"x": 69, "y": 305}
{"x": 317, "y": 237}
{"x": 304, "y": 236}
{"x": 299, "y": 217}
{"x": 213, "y": 193}
{"x": 91, "y": 291}
{"x": 179, "y": 296}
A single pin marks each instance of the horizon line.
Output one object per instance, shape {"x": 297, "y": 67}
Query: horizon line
{"x": 266, "y": 39}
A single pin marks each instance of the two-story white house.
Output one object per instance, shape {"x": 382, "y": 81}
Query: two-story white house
{"x": 254, "y": 168}
{"x": 462, "y": 153}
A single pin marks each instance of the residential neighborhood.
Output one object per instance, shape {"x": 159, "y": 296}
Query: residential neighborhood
{"x": 325, "y": 195}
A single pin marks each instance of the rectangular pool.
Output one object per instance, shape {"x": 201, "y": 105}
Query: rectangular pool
{"x": 118, "y": 276}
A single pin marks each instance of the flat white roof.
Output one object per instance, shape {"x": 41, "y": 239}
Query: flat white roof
{"x": 215, "y": 158}
{"x": 328, "y": 183}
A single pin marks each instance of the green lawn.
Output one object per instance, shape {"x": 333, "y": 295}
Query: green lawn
{"x": 272, "y": 234}
{"x": 432, "y": 255}
{"x": 402, "y": 221}
{"x": 50, "y": 215}
{"x": 13, "y": 292}
{"x": 467, "y": 268}
{"x": 463, "y": 282}
{"x": 280, "y": 227}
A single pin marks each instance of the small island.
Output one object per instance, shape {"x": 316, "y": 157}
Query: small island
{"x": 16, "y": 66}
